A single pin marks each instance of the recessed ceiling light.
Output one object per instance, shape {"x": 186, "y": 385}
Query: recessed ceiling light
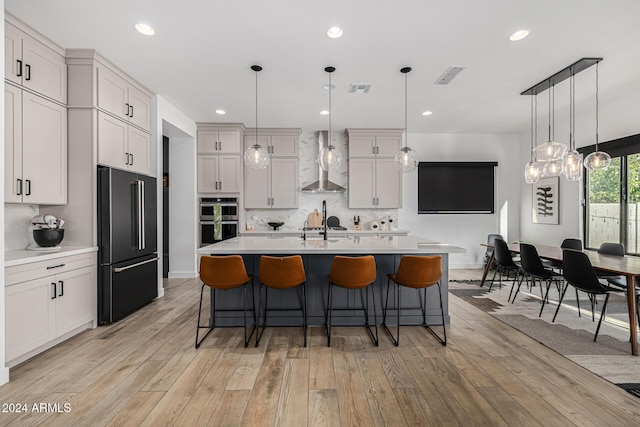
{"x": 334, "y": 32}
{"x": 328, "y": 87}
{"x": 221, "y": 112}
{"x": 427, "y": 113}
{"x": 324, "y": 112}
{"x": 518, "y": 35}
{"x": 144, "y": 29}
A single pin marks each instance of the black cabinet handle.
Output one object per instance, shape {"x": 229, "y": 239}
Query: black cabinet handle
{"x": 28, "y": 181}
{"x": 127, "y": 106}
{"x": 28, "y": 67}
{"x": 131, "y": 111}
{"x": 55, "y": 291}
{"x": 55, "y": 266}
{"x": 126, "y": 158}
{"x": 131, "y": 163}
{"x": 19, "y": 73}
{"x": 61, "y": 288}
{"x": 19, "y": 193}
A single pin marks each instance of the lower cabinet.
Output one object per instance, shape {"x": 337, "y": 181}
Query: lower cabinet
{"x": 47, "y": 300}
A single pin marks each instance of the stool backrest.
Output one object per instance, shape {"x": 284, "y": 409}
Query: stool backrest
{"x": 609, "y": 248}
{"x": 223, "y": 272}
{"x": 578, "y": 271}
{"x": 503, "y": 255}
{"x": 353, "y": 272}
{"x": 531, "y": 262}
{"x": 419, "y": 271}
{"x": 281, "y": 272}
{"x": 572, "y": 244}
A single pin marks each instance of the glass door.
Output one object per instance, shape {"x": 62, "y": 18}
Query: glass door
{"x": 603, "y": 210}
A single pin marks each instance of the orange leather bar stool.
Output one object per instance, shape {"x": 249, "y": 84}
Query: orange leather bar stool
{"x": 417, "y": 272}
{"x": 222, "y": 273}
{"x": 281, "y": 273}
{"x": 353, "y": 273}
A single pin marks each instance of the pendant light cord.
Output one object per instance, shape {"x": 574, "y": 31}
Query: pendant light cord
{"x": 256, "y": 108}
{"x": 406, "y": 136}
{"x": 597, "y": 105}
{"x": 330, "y": 90}
{"x": 531, "y": 128}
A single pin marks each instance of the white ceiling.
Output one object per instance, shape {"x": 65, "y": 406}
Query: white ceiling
{"x": 199, "y": 58}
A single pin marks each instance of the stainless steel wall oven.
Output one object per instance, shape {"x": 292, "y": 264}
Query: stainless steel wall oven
{"x": 218, "y": 219}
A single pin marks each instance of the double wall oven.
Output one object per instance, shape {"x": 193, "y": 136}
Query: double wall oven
{"x": 215, "y": 228}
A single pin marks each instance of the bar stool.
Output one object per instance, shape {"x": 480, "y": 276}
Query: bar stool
{"x": 281, "y": 273}
{"x": 417, "y": 272}
{"x": 222, "y": 273}
{"x": 353, "y": 273}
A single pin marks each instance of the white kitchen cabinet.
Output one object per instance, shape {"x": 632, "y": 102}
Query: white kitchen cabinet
{"x": 35, "y": 149}
{"x": 46, "y": 302}
{"x": 374, "y": 142}
{"x": 219, "y": 173}
{"x": 34, "y": 65}
{"x": 275, "y": 187}
{"x": 219, "y": 142}
{"x": 122, "y": 146}
{"x": 121, "y": 98}
{"x": 279, "y": 142}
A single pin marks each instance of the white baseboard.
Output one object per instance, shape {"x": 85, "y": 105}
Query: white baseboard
{"x": 182, "y": 275}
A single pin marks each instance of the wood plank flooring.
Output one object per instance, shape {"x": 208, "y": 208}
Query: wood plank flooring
{"x": 145, "y": 371}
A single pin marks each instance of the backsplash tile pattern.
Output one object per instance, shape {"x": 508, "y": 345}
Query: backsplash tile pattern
{"x": 17, "y": 226}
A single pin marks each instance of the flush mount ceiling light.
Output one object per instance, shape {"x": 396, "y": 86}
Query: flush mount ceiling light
{"x": 405, "y": 160}
{"x": 329, "y": 157}
{"x": 256, "y": 157}
{"x": 597, "y": 159}
{"x": 145, "y": 29}
{"x": 324, "y": 113}
{"x": 334, "y": 32}
{"x": 427, "y": 113}
{"x": 518, "y": 35}
{"x": 221, "y": 112}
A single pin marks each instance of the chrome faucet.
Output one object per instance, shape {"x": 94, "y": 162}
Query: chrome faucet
{"x": 305, "y": 225}
{"x": 324, "y": 219}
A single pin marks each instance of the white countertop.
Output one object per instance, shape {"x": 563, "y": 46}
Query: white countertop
{"x": 353, "y": 245}
{"x": 298, "y": 232}
{"x": 24, "y": 256}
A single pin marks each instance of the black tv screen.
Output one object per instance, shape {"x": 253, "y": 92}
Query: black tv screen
{"x": 456, "y": 187}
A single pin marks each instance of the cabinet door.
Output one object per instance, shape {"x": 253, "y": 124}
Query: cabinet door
{"x": 284, "y": 183}
{"x": 229, "y": 142}
{"x": 207, "y": 142}
{"x": 13, "y": 70}
{"x": 76, "y": 300}
{"x": 44, "y": 150}
{"x": 112, "y": 141}
{"x": 388, "y": 146}
{"x": 256, "y": 188}
{"x": 388, "y": 184}
{"x": 139, "y": 148}
{"x": 140, "y": 109}
{"x": 207, "y": 173}
{"x": 229, "y": 174}
{"x": 361, "y": 183}
{"x": 362, "y": 146}
{"x": 284, "y": 146}
{"x": 30, "y": 316}
{"x": 44, "y": 70}
{"x": 250, "y": 141}
{"x": 13, "y": 183}
{"x": 112, "y": 93}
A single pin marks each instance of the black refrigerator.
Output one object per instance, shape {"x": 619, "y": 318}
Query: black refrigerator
{"x": 127, "y": 243}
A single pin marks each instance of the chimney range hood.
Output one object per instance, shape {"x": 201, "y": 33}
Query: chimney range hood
{"x": 323, "y": 185}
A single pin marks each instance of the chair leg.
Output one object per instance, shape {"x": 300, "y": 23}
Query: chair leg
{"x": 247, "y": 338}
{"x": 304, "y": 311}
{"x": 560, "y": 301}
{"x": 494, "y": 277}
{"x": 329, "y": 313}
{"x": 546, "y": 296}
{"x": 517, "y": 290}
{"x": 578, "y": 303}
{"x": 443, "y": 341}
{"x": 209, "y": 327}
{"x": 396, "y": 339}
{"x": 261, "y": 328}
{"x": 604, "y": 307}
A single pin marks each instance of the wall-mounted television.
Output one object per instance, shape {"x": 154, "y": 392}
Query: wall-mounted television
{"x": 456, "y": 187}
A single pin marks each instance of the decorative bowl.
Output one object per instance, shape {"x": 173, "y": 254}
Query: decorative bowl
{"x": 276, "y": 224}
{"x": 47, "y": 237}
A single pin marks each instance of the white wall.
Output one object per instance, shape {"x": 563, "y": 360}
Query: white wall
{"x": 169, "y": 121}
{"x": 466, "y": 230}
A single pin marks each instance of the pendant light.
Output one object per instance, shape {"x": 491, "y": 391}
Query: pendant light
{"x": 572, "y": 164}
{"x": 533, "y": 169}
{"x": 329, "y": 157}
{"x": 551, "y": 151}
{"x": 406, "y": 159}
{"x": 256, "y": 157}
{"x": 597, "y": 159}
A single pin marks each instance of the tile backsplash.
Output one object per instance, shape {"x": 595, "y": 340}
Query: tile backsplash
{"x": 17, "y": 225}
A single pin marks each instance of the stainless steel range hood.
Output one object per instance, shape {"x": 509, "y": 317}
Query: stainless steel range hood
{"x": 323, "y": 185}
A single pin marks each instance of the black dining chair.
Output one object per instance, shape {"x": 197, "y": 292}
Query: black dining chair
{"x": 532, "y": 266}
{"x": 504, "y": 262}
{"x": 579, "y": 273}
{"x": 491, "y": 238}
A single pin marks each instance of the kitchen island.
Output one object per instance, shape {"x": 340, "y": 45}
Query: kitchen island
{"x": 317, "y": 255}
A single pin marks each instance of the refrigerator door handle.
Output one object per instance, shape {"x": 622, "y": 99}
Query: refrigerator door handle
{"x": 119, "y": 269}
{"x": 143, "y": 244}
{"x": 138, "y": 211}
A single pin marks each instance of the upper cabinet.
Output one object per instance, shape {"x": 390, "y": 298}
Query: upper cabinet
{"x": 279, "y": 142}
{"x": 374, "y": 142}
{"x": 219, "y": 141}
{"x": 34, "y": 65}
{"x": 122, "y": 99}
{"x": 219, "y": 158}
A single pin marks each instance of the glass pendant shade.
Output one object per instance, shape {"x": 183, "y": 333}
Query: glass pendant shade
{"x": 330, "y": 158}
{"x": 256, "y": 157}
{"x": 532, "y": 172}
{"x": 549, "y": 150}
{"x": 552, "y": 168}
{"x": 406, "y": 160}
{"x": 572, "y": 166}
{"x": 597, "y": 160}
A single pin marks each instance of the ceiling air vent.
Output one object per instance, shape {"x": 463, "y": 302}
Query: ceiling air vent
{"x": 359, "y": 88}
{"x": 448, "y": 75}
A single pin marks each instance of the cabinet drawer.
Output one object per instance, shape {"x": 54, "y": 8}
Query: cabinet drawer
{"x": 37, "y": 269}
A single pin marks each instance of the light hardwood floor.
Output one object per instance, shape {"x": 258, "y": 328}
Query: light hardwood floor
{"x": 145, "y": 371}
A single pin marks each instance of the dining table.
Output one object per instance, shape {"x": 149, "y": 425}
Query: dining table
{"x": 627, "y": 266}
